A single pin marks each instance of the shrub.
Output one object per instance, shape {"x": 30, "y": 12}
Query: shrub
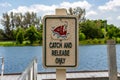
{"x": 118, "y": 40}
{"x": 32, "y": 34}
{"x": 82, "y": 36}
{"x": 20, "y": 36}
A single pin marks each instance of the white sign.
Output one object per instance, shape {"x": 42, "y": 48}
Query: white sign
{"x": 60, "y": 41}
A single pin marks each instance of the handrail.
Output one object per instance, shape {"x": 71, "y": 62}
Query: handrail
{"x": 30, "y": 73}
{"x": 2, "y": 67}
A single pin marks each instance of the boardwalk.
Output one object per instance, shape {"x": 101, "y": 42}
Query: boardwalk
{"x": 84, "y": 75}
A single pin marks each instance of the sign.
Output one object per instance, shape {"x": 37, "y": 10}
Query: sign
{"x": 60, "y": 41}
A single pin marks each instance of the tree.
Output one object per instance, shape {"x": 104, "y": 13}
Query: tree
{"x": 18, "y": 20}
{"x": 1, "y": 34}
{"x": 91, "y": 30}
{"x": 113, "y": 31}
{"x": 20, "y": 36}
{"x": 5, "y": 21}
{"x": 13, "y": 21}
{"x": 79, "y": 12}
{"x": 32, "y": 34}
{"x": 30, "y": 19}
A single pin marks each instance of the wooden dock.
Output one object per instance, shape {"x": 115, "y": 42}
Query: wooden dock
{"x": 75, "y": 75}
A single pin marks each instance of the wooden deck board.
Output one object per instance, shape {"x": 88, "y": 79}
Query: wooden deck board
{"x": 10, "y": 77}
{"x": 71, "y": 75}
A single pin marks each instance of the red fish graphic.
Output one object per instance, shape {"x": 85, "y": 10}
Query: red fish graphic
{"x": 60, "y": 31}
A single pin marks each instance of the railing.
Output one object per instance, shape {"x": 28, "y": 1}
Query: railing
{"x": 30, "y": 72}
{"x": 2, "y": 67}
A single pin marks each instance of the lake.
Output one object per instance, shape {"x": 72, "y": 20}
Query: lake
{"x": 91, "y": 57}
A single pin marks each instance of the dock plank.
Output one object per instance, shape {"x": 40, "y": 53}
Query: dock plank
{"x": 78, "y": 75}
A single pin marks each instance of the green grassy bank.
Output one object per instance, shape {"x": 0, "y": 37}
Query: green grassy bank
{"x": 13, "y": 43}
{"x": 37, "y": 43}
{"x": 92, "y": 42}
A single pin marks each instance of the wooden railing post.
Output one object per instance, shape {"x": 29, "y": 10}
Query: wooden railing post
{"x": 35, "y": 70}
{"x": 30, "y": 72}
{"x": 112, "y": 59}
{"x": 2, "y": 67}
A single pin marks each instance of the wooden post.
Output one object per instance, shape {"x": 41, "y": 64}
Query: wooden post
{"x": 112, "y": 59}
{"x": 35, "y": 70}
{"x": 2, "y": 68}
{"x": 61, "y": 73}
{"x": 61, "y": 11}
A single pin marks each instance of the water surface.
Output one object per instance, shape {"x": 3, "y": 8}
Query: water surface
{"x": 91, "y": 57}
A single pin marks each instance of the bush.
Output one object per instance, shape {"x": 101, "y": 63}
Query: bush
{"x": 32, "y": 34}
{"x": 20, "y": 36}
{"x": 82, "y": 36}
{"x": 118, "y": 40}
{"x": 95, "y": 41}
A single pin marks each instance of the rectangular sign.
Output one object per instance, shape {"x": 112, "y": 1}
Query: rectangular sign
{"x": 60, "y": 41}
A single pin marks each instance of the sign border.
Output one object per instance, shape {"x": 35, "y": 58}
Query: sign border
{"x": 76, "y": 39}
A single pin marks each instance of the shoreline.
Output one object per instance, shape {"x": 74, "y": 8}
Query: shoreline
{"x": 82, "y": 42}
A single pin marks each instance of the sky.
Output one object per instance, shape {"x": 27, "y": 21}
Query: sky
{"x": 95, "y": 9}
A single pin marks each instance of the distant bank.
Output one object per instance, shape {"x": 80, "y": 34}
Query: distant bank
{"x": 37, "y": 43}
{"x": 13, "y": 43}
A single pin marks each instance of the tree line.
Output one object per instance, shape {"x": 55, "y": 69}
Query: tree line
{"x": 28, "y": 27}
{"x": 99, "y": 29}
{"x": 19, "y": 27}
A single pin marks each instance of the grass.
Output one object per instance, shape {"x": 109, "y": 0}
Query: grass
{"x": 13, "y": 43}
{"x": 37, "y": 43}
{"x": 7, "y": 43}
{"x": 92, "y": 41}
{"x": 27, "y": 43}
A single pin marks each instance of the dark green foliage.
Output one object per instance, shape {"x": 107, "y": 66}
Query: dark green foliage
{"x": 20, "y": 36}
{"x": 32, "y": 34}
{"x": 1, "y": 34}
{"x": 28, "y": 27}
{"x": 40, "y": 38}
{"x": 13, "y": 21}
{"x": 91, "y": 29}
{"x": 82, "y": 36}
{"x": 113, "y": 31}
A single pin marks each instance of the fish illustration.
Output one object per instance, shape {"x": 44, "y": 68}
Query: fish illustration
{"x": 60, "y": 31}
